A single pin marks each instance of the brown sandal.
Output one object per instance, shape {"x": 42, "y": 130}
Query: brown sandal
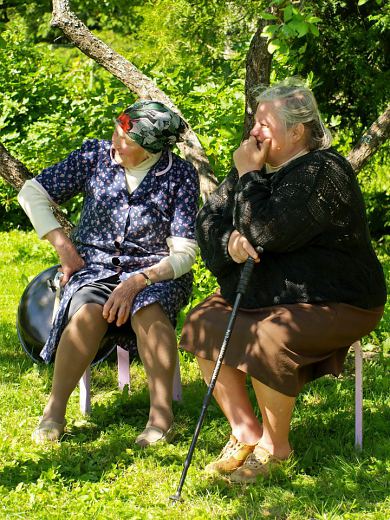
{"x": 232, "y": 456}
{"x": 260, "y": 462}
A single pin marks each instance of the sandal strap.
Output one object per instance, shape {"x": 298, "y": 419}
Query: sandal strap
{"x": 51, "y": 425}
{"x": 232, "y": 447}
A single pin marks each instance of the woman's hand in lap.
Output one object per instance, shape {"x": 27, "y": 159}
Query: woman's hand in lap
{"x": 240, "y": 248}
{"x": 119, "y": 304}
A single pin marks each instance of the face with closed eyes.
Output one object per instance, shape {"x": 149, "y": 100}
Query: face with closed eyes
{"x": 285, "y": 143}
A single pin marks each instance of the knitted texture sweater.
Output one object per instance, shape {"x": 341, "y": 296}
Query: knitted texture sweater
{"x": 309, "y": 218}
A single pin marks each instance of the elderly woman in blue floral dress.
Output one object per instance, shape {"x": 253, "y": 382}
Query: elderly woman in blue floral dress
{"x": 128, "y": 262}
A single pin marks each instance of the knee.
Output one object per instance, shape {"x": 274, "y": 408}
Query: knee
{"x": 88, "y": 310}
{"x": 150, "y": 316}
{"x": 89, "y": 314}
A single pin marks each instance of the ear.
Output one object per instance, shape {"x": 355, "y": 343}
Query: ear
{"x": 298, "y": 132}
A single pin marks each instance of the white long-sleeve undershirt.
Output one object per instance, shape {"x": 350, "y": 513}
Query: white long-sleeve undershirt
{"x": 35, "y": 201}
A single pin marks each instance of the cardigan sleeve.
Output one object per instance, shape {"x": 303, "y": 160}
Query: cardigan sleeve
{"x": 214, "y": 225}
{"x": 286, "y": 212}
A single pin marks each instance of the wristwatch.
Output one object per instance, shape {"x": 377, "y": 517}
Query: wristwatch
{"x": 148, "y": 281}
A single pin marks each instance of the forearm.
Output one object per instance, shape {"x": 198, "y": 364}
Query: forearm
{"x": 278, "y": 216}
{"x": 182, "y": 255}
{"x": 36, "y": 203}
{"x": 59, "y": 240}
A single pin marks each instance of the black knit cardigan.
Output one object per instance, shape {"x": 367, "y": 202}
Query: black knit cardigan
{"x": 309, "y": 217}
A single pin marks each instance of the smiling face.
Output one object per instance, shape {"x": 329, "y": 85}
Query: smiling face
{"x": 285, "y": 143}
{"x": 127, "y": 152}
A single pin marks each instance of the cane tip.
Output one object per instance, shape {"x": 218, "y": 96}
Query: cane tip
{"x": 175, "y": 498}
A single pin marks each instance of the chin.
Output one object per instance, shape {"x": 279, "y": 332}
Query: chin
{"x": 117, "y": 157}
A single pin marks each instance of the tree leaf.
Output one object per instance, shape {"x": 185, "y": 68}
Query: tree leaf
{"x": 299, "y": 26}
{"x": 288, "y": 13}
{"x": 267, "y": 16}
{"x": 273, "y": 46}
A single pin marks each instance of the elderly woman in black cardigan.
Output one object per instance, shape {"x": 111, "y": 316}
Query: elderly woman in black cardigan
{"x": 316, "y": 287}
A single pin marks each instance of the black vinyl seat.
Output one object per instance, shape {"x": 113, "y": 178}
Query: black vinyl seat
{"x": 34, "y": 318}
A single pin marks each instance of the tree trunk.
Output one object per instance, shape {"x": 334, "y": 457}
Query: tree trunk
{"x": 134, "y": 80}
{"x": 12, "y": 170}
{"x": 258, "y": 70}
{"x": 369, "y": 143}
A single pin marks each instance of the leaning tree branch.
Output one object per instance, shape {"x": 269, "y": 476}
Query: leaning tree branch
{"x": 14, "y": 172}
{"x": 370, "y": 141}
{"x": 134, "y": 80}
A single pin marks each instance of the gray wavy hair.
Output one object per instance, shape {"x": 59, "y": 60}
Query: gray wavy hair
{"x": 298, "y": 105}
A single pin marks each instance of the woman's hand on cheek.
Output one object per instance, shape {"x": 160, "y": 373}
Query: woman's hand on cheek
{"x": 251, "y": 155}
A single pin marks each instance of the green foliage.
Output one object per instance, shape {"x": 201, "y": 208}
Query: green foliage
{"x": 343, "y": 46}
{"x": 376, "y": 190}
{"x": 353, "y": 72}
{"x": 53, "y": 97}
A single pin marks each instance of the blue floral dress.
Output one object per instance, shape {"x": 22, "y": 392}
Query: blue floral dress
{"x": 121, "y": 232}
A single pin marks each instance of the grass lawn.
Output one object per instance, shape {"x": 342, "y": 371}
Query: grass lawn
{"x": 98, "y": 473}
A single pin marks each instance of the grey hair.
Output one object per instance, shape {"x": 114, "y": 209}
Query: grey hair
{"x": 298, "y": 105}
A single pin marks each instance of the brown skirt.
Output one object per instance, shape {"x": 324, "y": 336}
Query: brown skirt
{"x": 284, "y": 346}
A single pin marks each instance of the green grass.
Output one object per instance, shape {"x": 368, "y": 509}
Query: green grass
{"x": 97, "y": 471}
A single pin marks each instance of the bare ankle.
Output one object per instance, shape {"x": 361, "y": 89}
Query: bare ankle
{"x": 248, "y": 436}
{"x": 52, "y": 413}
{"x": 162, "y": 420}
{"x": 282, "y": 451}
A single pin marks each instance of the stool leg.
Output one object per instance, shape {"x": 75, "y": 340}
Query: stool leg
{"x": 177, "y": 391}
{"x": 358, "y": 395}
{"x": 85, "y": 392}
{"x": 123, "y": 368}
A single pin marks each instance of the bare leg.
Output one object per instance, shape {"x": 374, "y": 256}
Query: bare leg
{"x": 77, "y": 348}
{"x": 231, "y": 394}
{"x": 276, "y": 410}
{"x": 157, "y": 347}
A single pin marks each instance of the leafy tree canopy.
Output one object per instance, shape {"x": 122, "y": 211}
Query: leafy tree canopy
{"x": 53, "y": 96}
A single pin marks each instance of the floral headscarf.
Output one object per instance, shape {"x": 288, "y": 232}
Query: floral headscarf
{"x": 152, "y": 125}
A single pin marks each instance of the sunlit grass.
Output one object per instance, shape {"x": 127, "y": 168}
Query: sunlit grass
{"x": 97, "y": 471}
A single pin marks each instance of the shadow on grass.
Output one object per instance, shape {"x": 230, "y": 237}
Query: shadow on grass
{"x": 89, "y": 450}
{"x": 326, "y": 466}
{"x": 12, "y": 355}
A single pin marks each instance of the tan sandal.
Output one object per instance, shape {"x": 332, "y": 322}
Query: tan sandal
{"x": 48, "y": 431}
{"x": 153, "y": 435}
{"x": 260, "y": 462}
{"x": 232, "y": 456}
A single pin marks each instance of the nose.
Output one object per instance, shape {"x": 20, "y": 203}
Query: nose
{"x": 256, "y": 130}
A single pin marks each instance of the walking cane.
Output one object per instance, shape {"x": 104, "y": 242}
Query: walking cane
{"x": 242, "y": 285}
